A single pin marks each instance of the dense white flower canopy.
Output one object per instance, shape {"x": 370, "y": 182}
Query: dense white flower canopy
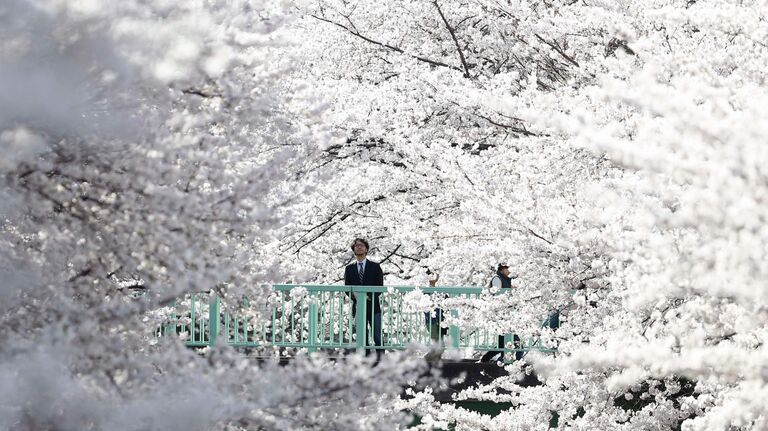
{"x": 611, "y": 152}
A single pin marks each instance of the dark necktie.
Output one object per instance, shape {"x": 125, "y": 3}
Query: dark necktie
{"x": 360, "y": 271}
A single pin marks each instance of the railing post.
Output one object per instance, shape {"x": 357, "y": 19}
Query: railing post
{"x": 171, "y": 327}
{"x": 213, "y": 319}
{"x": 312, "y": 323}
{"x": 508, "y": 337}
{"x": 360, "y": 328}
{"x": 454, "y": 330}
{"x": 193, "y": 319}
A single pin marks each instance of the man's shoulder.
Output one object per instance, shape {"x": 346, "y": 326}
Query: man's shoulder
{"x": 373, "y": 263}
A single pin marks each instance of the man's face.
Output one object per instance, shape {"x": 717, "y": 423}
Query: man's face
{"x": 360, "y": 249}
{"x": 505, "y": 272}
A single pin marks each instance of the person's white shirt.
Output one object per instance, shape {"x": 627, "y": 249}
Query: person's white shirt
{"x": 496, "y": 282}
{"x": 364, "y": 261}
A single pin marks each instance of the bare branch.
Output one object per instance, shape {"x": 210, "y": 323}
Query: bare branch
{"x": 393, "y": 252}
{"x": 455, "y": 40}
{"x": 559, "y": 51}
{"x": 200, "y": 93}
{"x": 385, "y": 45}
{"x": 538, "y": 236}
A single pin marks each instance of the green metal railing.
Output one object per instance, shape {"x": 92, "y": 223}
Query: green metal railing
{"x": 321, "y": 317}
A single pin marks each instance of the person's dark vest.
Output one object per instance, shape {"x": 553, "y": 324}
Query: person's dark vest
{"x": 506, "y": 282}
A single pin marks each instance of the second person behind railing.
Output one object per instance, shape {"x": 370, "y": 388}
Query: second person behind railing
{"x": 502, "y": 280}
{"x": 364, "y": 272}
{"x": 434, "y": 320}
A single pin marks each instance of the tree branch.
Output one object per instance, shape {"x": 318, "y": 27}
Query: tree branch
{"x": 455, "y": 40}
{"x": 513, "y": 128}
{"x": 558, "y": 50}
{"x": 200, "y": 93}
{"x": 386, "y": 45}
{"x": 538, "y": 236}
{"x": 390, "y": 254}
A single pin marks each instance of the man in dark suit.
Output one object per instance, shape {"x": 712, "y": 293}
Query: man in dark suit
{"x": 364, "y": 272}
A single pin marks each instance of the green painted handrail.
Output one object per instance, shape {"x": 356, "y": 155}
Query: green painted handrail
{"x": 322, "y": 318}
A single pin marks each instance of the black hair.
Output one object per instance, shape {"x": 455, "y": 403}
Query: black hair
{"x": 502, "y": 266}
{"x": 363, "y": 240}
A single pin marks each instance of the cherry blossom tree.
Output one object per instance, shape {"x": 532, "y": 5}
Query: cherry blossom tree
{"x": 466, "y": 125}
{"x": 149, "y": 146}
{"x": 609, "y": 152}
{"x": 688, "y": 248}
{"x": 432, "y": 172}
